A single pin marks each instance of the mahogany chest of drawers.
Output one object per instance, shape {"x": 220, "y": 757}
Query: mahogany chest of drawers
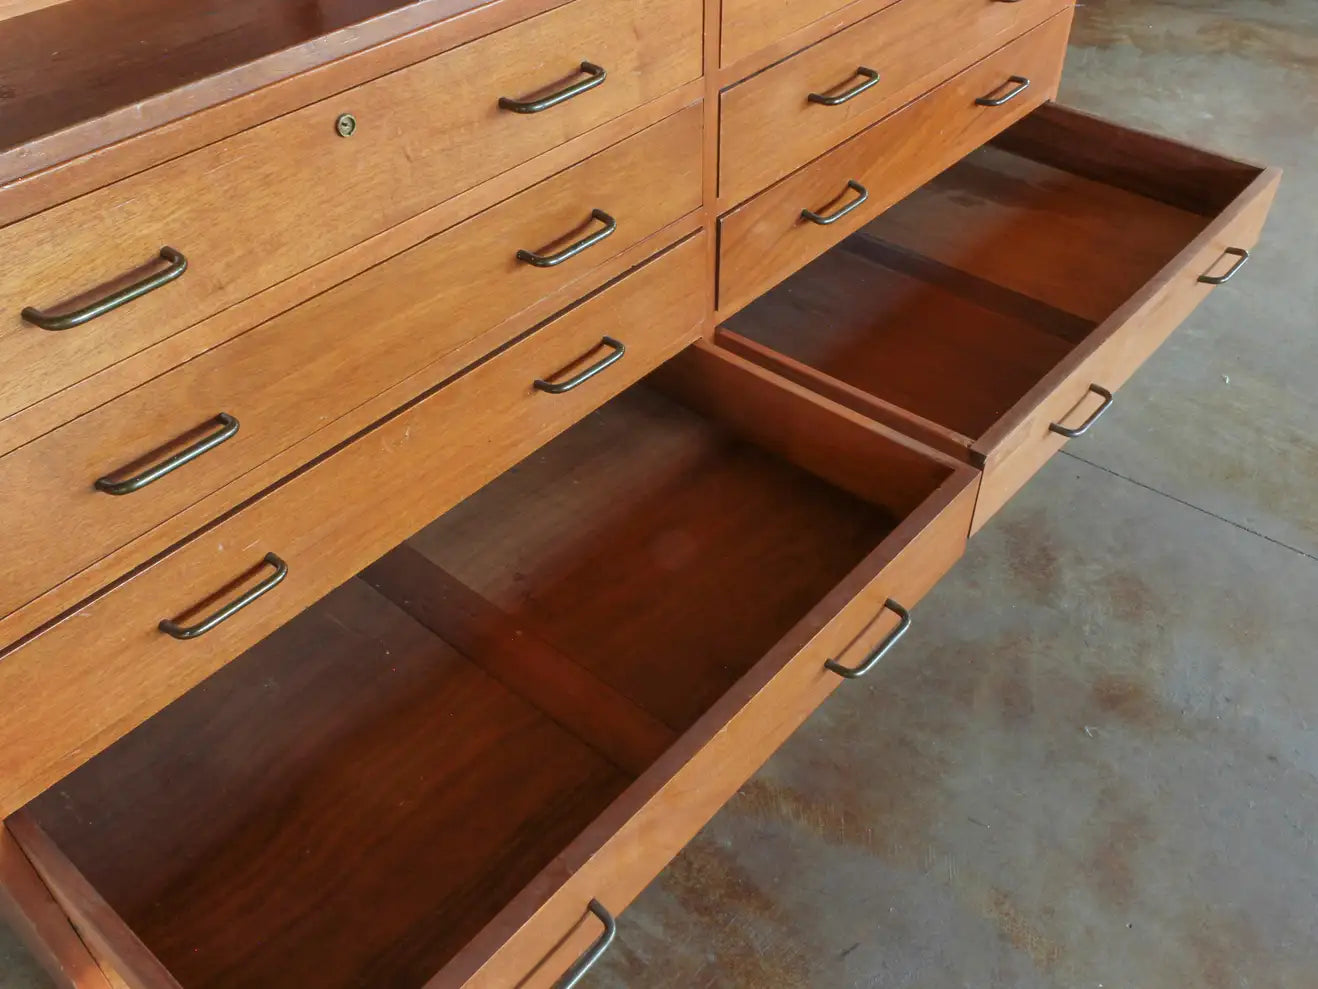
{"x": 448, "y": 445}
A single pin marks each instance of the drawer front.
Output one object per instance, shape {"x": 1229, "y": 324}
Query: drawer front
{"x": 288, "y": 378}
{"x": 1069, "y": 397}
{"x": 625, "y": 849}
{"x": 88, "y": 680}
{"x": 764, "y": 240}
{"x": 771, "y": 126}
{"x": 749, "y": 25}
{"x": 260, "y": 206}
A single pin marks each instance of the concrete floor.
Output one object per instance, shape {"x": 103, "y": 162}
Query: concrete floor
{"x": 1093, "y": 762}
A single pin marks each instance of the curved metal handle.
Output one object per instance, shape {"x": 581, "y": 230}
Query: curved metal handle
{"x": 597, "y": 77}
{"x": 881, "y": 650}
{"x": 177, "y": 265}
{"x": 593, "y": 954}
{"x": 1022, "y": 84}
{"x": 618, "y": 348}
{"x": 871, "y": 79}
{"x": 1088, "y": 424}
{"x": 824, "y": 220}
{"x": 572, "y": 250}
{"x": 233, "y": 607}
{"x": 228, "y": 429}
{"x": 1242, "y": 258}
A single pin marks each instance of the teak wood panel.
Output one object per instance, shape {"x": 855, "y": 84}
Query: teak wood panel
{"x": 92, "y": 677}
{"x": 764, "y": 240}
{"x": 770, "y": 127}
{"x": 538, "y": 935}
{"x": 114, "y": 55}
{"x": 265, "y": 204}
{"x": 288, "y": 378}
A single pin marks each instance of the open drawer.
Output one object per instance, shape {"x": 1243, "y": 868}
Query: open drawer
{"x": 994, "y": 311}
{"x": 454, "y": 765}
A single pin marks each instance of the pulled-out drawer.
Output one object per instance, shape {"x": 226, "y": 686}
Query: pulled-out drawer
{"x": 95, "y": 280}
{"x": 770, "y": 236}
{"x": 83, "y": 682}
{"x": 783, "y": 117}
{"x": 455, "y": 767}
{"x": 94, "y": 485}
{"x": 993, "y": 312}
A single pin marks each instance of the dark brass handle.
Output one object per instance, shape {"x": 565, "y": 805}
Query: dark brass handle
{"x": 177, "y": 265}
{"x": 871, "y": 79}
{"x": 824, "y": 220}
{"x": 1022, "y": 84}
{"x": 1088, "y": 424}
{"x": 233, "y": 607}
{"x": 597, "y": 76}
{"x": 572, "y": 250}
{"x": 228, "y": 428}
{"x": 618, "y": 348}
{"x": 596, "y": 951}
{"x": 881, "y": 650}
{"x": 1242, "y": 258}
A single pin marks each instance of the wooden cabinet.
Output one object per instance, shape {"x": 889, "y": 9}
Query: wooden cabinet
{"x": 562, "y": 398}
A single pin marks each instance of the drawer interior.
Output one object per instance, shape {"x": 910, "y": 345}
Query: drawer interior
{"x": 948, "y": 308}
{"x": 353, "y": 799}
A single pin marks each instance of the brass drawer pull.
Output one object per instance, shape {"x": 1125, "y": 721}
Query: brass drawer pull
{"x": 1242, "y": 258}
{"x": 233, "y": 607}
{"x": 597, "y": 76}
{"x": 572, "y": 250}
{"x": 1022, "y": 84}
{"x": 593, "y": 954}
{"x": 177, "y": 265}
{"x": 881, "y": 650}
{"x": 871, "y": 79}
{"x": 228, "y": 428}
{"x": 1088, "y": 424}
{"x": 618, "y": 348}
{"x": 824, "y": 220}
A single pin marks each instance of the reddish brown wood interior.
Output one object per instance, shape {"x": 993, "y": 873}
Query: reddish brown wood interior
{"x": 953, "y": 304}
{"x": 351, "y": 800}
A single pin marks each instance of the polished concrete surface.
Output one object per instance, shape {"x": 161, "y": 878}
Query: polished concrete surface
{"x": 1092, "y": 764}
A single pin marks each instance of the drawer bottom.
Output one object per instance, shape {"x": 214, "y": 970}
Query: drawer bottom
{"x": 357, "y": 797}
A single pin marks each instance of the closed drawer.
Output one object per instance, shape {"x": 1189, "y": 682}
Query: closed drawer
{"x": 260, "y": 206}
{"x": 767, "y": 238}
{"x": 994, "y": 312}
{"x": 90, "y": 678}
{"x": 775, "y": 121}
{"x": 749, "y": 25}
{"x": 458, "y": 763}
{"x": 292, "y": 376}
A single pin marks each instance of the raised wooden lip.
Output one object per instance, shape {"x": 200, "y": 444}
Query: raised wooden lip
{"x": 73, "y": 160}
{"x": 632, "y": 801}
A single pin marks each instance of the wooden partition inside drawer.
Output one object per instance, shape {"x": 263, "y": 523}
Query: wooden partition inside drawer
{"x": 987, "y": 312}
{"x": 254, "y": 209}
{"x": 531, "y": 703}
